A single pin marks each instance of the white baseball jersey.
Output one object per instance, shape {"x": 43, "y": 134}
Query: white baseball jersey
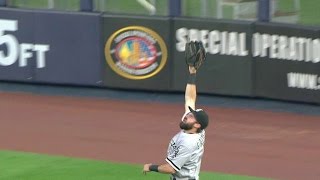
{"x": 185, "y": 153}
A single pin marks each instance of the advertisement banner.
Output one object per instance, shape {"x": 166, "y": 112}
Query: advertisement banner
{"x": 16, "y": 63}
{"x": 228, "y": 67}
{"x": 136, "y": 52}
{"x": 50, "y": 47}
{"x": 287, "y": 62}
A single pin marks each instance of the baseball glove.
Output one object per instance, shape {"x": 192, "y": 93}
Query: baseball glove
{"x": 195, "y": 54}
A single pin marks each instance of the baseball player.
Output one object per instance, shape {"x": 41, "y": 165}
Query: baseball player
{"x": 186, "y": 148}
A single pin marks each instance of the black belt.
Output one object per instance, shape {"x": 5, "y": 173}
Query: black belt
{"x": 176, "y": 179}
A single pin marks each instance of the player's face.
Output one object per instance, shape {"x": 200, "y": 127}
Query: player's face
{"x": 188, "y": 122}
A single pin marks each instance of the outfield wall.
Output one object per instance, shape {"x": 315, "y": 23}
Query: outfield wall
{"x": 147, "y": 53}
{"x": 50, "y": 47}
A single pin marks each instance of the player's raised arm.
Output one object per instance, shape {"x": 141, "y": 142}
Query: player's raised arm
{"x": 191, "y": 90}
{"x": 195, "y": 55}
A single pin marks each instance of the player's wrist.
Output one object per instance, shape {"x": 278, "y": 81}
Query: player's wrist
{"x": 192, "y": 78}
{"x": 154, "y": 168}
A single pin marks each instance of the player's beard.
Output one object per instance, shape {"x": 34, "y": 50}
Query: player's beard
{"x": 185, "y": 126}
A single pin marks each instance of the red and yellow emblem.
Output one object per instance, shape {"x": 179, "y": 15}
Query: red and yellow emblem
{"x": 136, "y": 52}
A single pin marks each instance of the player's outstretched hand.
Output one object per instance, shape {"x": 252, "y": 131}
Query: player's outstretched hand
{"x": 195, "y": 53}
{"x": 146, "y": 168}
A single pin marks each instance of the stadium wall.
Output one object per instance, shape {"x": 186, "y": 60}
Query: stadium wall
{"x": 251, "y": 59}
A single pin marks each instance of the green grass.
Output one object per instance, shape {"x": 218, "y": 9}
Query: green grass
{"x": 30, "y": 166}
{"x": 73, "y": 5}
{"x": 309, "y": 12}
{"x": 129, "y": 7}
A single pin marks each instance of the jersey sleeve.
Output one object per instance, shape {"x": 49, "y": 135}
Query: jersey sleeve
{"x": 179, "y": 157}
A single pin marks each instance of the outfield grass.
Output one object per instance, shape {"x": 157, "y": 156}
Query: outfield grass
{"x": 30, "y": 166}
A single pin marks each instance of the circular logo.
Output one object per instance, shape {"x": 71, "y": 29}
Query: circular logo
{"x": 136, "y": 52}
